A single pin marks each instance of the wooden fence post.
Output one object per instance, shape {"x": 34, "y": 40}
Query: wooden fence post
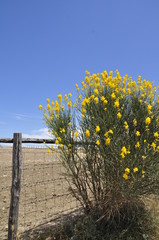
{"x": 16, "y": 186}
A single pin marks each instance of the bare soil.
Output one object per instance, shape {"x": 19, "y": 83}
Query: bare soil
{"x": 44, "y": 189}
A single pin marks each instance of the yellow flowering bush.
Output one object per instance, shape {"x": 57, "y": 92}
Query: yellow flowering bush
{"x": 110, "y": 140}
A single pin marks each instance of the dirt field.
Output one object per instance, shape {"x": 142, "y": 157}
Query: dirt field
{"x": 44, "y": 191}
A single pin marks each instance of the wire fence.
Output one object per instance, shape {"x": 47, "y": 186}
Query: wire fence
{"x": 5, "y": 186}
{"x": 44, "y": 189}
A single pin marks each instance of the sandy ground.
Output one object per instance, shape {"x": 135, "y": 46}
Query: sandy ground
{"x": 44, "y": 191}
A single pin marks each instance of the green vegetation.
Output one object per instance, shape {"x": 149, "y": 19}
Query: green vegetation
{"x": 109, "y": 141}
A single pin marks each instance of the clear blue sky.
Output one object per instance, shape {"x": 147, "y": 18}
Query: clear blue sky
{"x": 46, "y": 46}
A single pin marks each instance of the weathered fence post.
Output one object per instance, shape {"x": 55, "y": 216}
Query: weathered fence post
{"x": 16, "y": 186}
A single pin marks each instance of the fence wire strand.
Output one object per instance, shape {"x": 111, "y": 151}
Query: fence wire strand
{"x": 5, "y": 187}
{"x": 44, "y": 189}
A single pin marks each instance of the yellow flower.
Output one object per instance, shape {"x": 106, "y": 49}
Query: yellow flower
{"x": 123, "y": 150}
{"x": 128, "y": 91}
{"x": 110, "y": 131}
{"x": 126, "y": 125}
{"x": 106, "y": 134}
{"x": 113, "y": 96}
{"x": 135, "y": 122}
{"x": 87, "y": 100}
{"x": 77, "y": 87}
{"x": 137, "y": 133}
{"x": 69, "y": 145}
{"x": 40, "y": 107}
{"x": 125, "y": 176}
{"x": 135, "y": 169}
{"x": 97, "y": 142}
{"x": 48, "y": 150}
{"x": 96, "y": 91}
{"x": 96, "y": 100}
{"x": 105, "y": 102}
{"x": 70, "y": 94}
{"x": 56, "y": 106}
{"x": 76, "y": 134}
{"x": 92, "y": 97}
{"x": 48, "y": 106}
{"x": 48, "y": 100}
{"x": 62, "y": 130}
{"x": 153, "y": 145}
{"x": 156, "y": 135}
{"x": 107, "y": 141}
{"x": 55, "y": 133}
{"x": 123, "y": 90}
{"x": 118, "y": 115}
{"x": 87, "y": 133}
{"x": 137, "y": 145}
{"x": 148, "y": 121}
{"x": 122, "y": 155}
{"x": 111, "y": 73}
{"x": 56, "y": 142}
{"x": 86, "y": 72}
{"x": 127, "y": 170}
{"x": 45, "y": 115}
{"x": 116, "y": 104}
{"x": 79, "y": 96}
{"x": 102, "y": 98}
{"x": 149, "y": 108}
{"x": 61, "y": 145}
{"x": 60, "y": 98}
{"x": 97, "y": 129}
{"x": 69, "y": 103}
{"x": 105, "y": 73}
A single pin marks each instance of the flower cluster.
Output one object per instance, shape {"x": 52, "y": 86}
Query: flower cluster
{"x": 116, "y": 117}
